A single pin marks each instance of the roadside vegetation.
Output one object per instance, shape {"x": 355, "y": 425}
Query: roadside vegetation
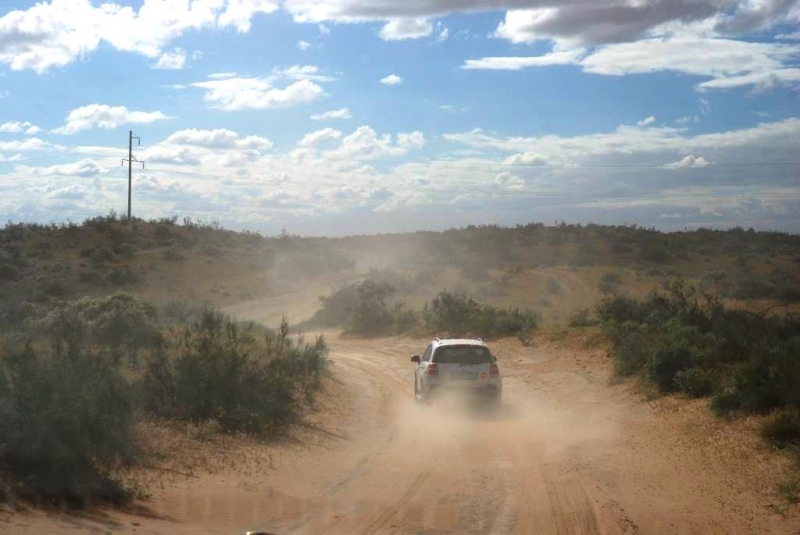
{"x": 81, "y": 364}
{"x": 745, "y": 362}
{"x": 76, "y": 379}
{"x": 363, "y": 309}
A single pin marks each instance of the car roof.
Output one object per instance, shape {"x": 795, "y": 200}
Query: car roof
{"x": 438, "y": 342}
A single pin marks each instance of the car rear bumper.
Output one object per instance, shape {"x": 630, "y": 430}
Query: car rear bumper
{"x": 488, "y": 390}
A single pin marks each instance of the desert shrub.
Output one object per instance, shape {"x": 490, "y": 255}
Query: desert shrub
{"x": 631, "y": 347}
{"x": 609, "y": 283}
{"x": 554, "y": 287}
{"x": 173, "y": 254}
{"x": 66, "y": 416}
{"x": 582, "y": 318}
{"x": 782, "y": 428}
{"x": 336, "y": 307}
{"x": 458, "y": 314}
{"x": 119, "y": 323}
{"x": 120, "y": 276}
{"x": 369, "y": 314}
{"x": 679, "y": 348}
{"x": 778, "y": 285}
{"x": 544, "y": 302}
{"x": 219, "y": 371}
{"x": 770, "y": 378}
{"x": 475, "y": 271}
{"x": 404, "y": 319}
{"x": 657, "y": 254}
{"x": 98, "y": 256}
{"x": 8, "y": 272}
{"x": 697, "y": 382}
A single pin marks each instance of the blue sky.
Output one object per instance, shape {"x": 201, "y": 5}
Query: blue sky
{"x": 339, "y": 117}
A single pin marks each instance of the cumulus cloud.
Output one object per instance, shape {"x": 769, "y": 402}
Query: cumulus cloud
{"x": 105, "y": 116}
{"x": 689, "y": 162}
{"x": 15, "y": 127}
{"x": 303, "y": 45}
{"x": 313, "y": 139}
{"x": 33, "y": 143}
{"x": 220, "y": 138}
{"x": 171, "y": 61}
{"x": 56, "y": 33}
{"x": 341, "y": 113}
{"x": 84, "y": 168}
{"x": 646, "y": 121}
{"x": 365, "y": 143}
{"x": 403, "y": 28}
{"x": 392, "y": 79}
{"x": 257, "y": 93}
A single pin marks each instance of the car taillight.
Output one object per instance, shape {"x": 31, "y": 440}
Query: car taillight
{"x": 433, "y": 370}
{"x": 494, "y": 371}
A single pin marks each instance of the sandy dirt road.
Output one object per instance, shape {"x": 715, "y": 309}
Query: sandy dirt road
{"x": 568, "y": 452}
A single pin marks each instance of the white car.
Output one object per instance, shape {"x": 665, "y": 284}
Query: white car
{"x": 463, "y": 364}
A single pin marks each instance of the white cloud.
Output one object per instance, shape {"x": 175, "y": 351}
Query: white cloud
{"x": 392, "y": 79}
{"x": 687, "y": 119}
{"x": 507, "y": 181}
{"x": 596, "y": 21}
{"x": 83, "y": 168}
{"x": 303, "y": 45}
{"x": 313, "y": 139}
{"x": 789, "y": 36}
{"x": 689, "y": 162}
{"x": 341, "y": 113}
{"x": 727, "y": 62}
{"x": 56, "y": 33}
{"x": 515, "y": 63}
{"x": 171, "y": 61}
{"x": 627, "y": 140}
{"x": 444, "y": 32}
{"x": 720, "y": 58}
{"x": 33, "y": 143}
{"x": 15, "y": 127}
{"x": 303, "y": 72}
{"x": 222, "y": 75}
{"x": 104, "y": 116}
{"x": 364, "y": 144}
{"x": 220, "y": 138}
{"x": 402, "y": 28}
{"x": 412, "y": 140}
{"x": 646, "y": 121}
{"x": 257, "y": 93}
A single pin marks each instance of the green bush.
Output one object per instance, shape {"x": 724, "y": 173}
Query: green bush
{"x": 679, "y": 348}
{"x": 631, "y": 347}
{"x": 369, "y": 314}
{"x": 782, "y": 428}
{"x": 219, "y": 371}
{"x": 582, "y": 319}
{"x": 121, "y": 276}
{"x": 460, "y": 315}
{"x": 554, "y": 287}
{"x": 65, "y": 417}
{"x": 697, "y": 382}
{"x": 119, "y": 323}
{"x": 173, "y": 254}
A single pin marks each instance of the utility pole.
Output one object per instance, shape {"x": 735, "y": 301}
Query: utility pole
{"x": 130, "y": 160}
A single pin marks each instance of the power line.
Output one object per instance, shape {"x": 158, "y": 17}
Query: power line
{"x": 130, "y": 160}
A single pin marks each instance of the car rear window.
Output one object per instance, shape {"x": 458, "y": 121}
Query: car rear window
{"x": 462, "y": 355}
